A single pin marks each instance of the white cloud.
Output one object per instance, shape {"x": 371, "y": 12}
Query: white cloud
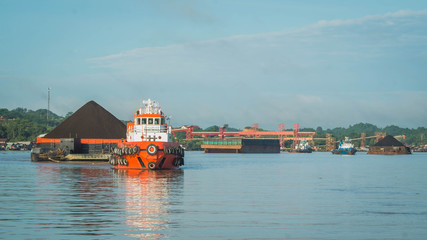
{"x": 308, "y": 75}
{"x": 331, "y": 73}
{"x": 388, "y": 18}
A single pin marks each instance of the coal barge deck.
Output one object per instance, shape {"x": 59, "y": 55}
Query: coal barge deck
{"x": 389, "y": 146}
{"x": 241, "y": 145}
{"x": 90, "y": 134}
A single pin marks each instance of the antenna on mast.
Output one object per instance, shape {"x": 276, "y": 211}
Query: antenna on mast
{"x": 48, "y": 106}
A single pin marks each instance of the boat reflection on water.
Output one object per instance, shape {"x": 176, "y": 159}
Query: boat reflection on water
{"x": 93, "y": 200}
{"x": 77, "y": 197}
{"x": 149, "y": 198}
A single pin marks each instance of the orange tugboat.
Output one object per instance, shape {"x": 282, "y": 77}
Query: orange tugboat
{"x": 148, "y": 142}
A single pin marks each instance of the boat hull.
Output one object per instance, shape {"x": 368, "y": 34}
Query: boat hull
{"x": 301, "y": 151}
{"x": 147, "y": 155}
{"x": 390, "y": 153}
{"x": 389, "y": 150}
{"x": 72, "y": 149}
{"x": 345, "y": 151}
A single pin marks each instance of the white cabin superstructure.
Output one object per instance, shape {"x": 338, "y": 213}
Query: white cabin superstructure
{"x": 149, "y": 124}
{"x": 303, "y": 145}
{"x": 346, "y": 144}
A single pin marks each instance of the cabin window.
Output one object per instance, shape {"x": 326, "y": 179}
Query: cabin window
{"x": 150, "y": 121}
{"x": 144, "y": 121}
{"x": 157, "y": 121}
{"x": 138, "y": 121}
{"x": 163, "y": 121}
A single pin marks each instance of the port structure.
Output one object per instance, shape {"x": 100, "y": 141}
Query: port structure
{"x": 331, "y": 141}
{"x": 295, "y": 135}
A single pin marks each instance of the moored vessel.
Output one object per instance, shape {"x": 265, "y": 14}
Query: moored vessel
{"x": 389, "y": 146}
{"x": 345, "y": 147}
{"x": 89, "y": 134}
{"x": 148, "y": 143}
{"x": 302, "y": 147}
{"x": 241, "y": 145}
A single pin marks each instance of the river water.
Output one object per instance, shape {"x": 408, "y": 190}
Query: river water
{"x": 218, "y": 196}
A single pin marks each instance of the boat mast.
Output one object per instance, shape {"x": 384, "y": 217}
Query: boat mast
{"x": 48, "y": 107}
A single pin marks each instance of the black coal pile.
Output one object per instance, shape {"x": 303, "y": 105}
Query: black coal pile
{"x": 388, "y": 141}
{"x": 91, "y": 121}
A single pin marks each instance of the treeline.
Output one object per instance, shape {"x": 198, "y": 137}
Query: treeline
{"x": 195, "y": 145}
{"x": 416, "y": 136}
{"x": 21, "y": 124}
{"x": 29, "y": 124}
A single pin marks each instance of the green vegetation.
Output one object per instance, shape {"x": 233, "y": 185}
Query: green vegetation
{"x": 26, "y": 125}
{"x": 194, "y": 145}
{"x": 416, "y": 136}
{"x": 21, "y": 124}
{"x": 215, "y": 128}
{"x": 412, "y": 136}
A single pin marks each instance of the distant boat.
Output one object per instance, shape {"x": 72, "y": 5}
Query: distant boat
{"x": 302, "y": 147}
{"x": 346, "y": 147}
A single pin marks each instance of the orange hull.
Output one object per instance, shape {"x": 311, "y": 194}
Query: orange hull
{"x": 147, "y": 155}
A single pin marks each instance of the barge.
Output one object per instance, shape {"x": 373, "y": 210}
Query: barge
{"x": 389, "y": 146}
{"x": 241, "y": 145}
{"x": 90, "y": 134}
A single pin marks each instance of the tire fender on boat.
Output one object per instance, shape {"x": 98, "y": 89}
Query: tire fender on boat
{"x": 179, "y": 161}
{"x": 126, "y": 150}
{"x": 152, "y": 165}
{"x": 136, "y": 150}
{"x": 152, "y": 149}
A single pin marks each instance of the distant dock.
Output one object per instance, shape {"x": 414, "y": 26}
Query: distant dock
{"x": 241, "y": 145}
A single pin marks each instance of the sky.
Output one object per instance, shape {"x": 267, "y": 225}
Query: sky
{"x": 317, "y": 63}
